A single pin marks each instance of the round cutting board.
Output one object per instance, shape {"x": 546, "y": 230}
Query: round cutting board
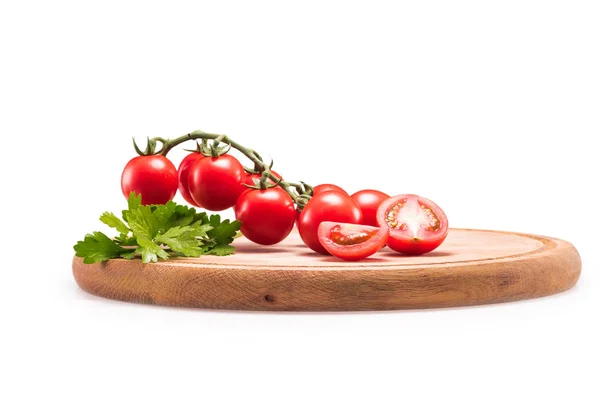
{"x": 471, "y": 267}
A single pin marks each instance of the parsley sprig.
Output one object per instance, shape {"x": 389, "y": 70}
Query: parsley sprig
{"x": 159, "y": 232}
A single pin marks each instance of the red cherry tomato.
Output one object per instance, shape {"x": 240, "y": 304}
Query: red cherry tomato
{"x": 326, "y": 187}
{"x": 183, "y": 174}
{"x": 369, "y": 201}
{"x": 154, "y": 177}
{"x": 331, "y": 206}
{"x": 267, "y": 216}
{"x": 214, "y": 182}
{"x": 249, "y": 178}
{"x": 352, "y": 242}
{"x": 417, "y": 225}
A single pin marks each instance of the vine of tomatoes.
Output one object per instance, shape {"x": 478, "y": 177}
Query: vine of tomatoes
{"x": 329, "y": 220}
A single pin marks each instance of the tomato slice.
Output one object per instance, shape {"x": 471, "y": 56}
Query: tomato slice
{"x": 350, "y": 241}
{"x": 417, "y": 225}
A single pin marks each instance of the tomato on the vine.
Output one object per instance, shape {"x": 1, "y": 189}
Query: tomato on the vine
{"x": 326, "y": 187}
{"x": 183, "y": 174}
{"x": 417, "y": 225}
{"x": 267, "y": 215}
{"x": 369, "y": 201}
{"x": 352, "y": 242}
{"x": 154, "y": 177}
{"x": 333, "y": 206}
{"x": 214, "y": 182}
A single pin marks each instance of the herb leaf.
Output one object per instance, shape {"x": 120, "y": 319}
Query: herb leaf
{"x": 223, "y": 232}
{"x": 221, "y": 250}
{"x": 157, "y": 232}
{"x": 182, "y": 239}
{"x": 142, "y": 222}
{"x": 98, "y": 247}
{"x": 149, "y": 250}
{"x": 113, "y": 221}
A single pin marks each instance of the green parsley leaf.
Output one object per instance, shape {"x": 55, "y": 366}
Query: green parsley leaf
{"x": 142, "y": 223}
{"x": 125, "y": 240}
{"x": 223, "y": 232}
{"x": 149, "y": 250}
{"x": 97, "y": 247}
{"x": 134, "y": 201}
{"x": 182, "y": 239}
{"x": 162, "y": 214}
{"x": 159, "y": 231}
{"x": 129, "y": 255}
{"x": 221, "y": 250}
{"x": 113, "y": 221}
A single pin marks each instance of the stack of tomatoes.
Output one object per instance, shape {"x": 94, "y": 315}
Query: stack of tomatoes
{"x": 332, "y": 222}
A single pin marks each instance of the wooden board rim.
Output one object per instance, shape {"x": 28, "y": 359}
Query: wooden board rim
{"x": 552, "y": 268}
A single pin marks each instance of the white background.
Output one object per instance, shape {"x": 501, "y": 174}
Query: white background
{"x": 488, "y": 108}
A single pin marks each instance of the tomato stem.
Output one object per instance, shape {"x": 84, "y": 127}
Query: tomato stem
{"x": 300, "y": 198}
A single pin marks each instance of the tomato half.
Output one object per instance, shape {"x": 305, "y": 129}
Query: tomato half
{"x": 267, "y": 216}
{"x": 331, "y": 206}
{"x": 183, "y": 174}
{"x": 352, "y": 242}
{"x": 369, "y": 201}
{"x": 154, "y": 177}
{"x": 417, "y": 225}
{"x": 214, "y": 182}
{"x": 326, "y": 187}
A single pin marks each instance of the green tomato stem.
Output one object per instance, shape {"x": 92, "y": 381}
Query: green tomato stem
{"x": 252, "y": 155}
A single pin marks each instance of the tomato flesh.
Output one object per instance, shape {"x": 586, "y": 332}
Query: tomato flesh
{"x": 345, "y": 239}
{"x": 352, "y": 242}
{"x": 331, "y": 206}
{"x": 417, "y": 225}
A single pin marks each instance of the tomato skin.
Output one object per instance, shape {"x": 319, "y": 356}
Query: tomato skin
{"x": 183, "y": 174}
{"x": 214, "y": 182}
{"x": 333, "y": 206}
{"x": 326, "y": 187}
{"x": 154, "y": 177}
{"x": 407, "y": 241}
{"x": 369, "y": 201}
{"x": 267, "y": 216}
{"x": 356, "y": 251}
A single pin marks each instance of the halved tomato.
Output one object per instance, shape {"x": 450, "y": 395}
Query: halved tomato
{"x": 350, "y": 241}
{"x": 417, "y": 225}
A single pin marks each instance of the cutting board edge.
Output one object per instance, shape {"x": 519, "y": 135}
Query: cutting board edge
{"x": 551, "y": 270}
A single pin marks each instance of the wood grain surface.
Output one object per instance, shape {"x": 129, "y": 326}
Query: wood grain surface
{"x": 471, "y": 267}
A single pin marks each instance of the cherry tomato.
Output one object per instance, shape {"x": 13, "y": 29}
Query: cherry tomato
{"x": 352, "y": 242}
{"x": 326, "y": 187}
{"x": 369, "y": 200}
{"x": 267, "y": 216}
{"x": 333, "y": 206}
{"x": 249, "y": 178}
{"x": 183, "y": 174}
{"x": 154, "y": 177}
{"x": 417, "y": 225}
{"x": 214, "y": 182}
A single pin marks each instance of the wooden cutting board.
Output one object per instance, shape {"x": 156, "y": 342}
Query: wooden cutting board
{"x": 471, "y": 267}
